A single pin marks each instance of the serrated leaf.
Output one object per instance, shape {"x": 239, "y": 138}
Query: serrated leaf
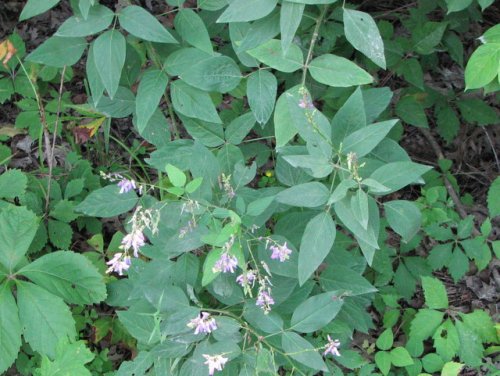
{"x": 70, "y": 359}
{"x": 446, "y": 340}
{"x": 301, "y": 350}
{"x": 10, "y": 328}
{"x": 247, "y": 10}
{"x": 107, "y": 202}
{"x": 482, "y": 324}
{"x": 404, "y": 217}
{"x": 428, "y": 36}
{"x": 64, "y": 211}
{"x": 58, "y": 51}
{"x": 142, "y": 24}
{"x": 109, "y": 58}
{"x": 193, "y": 102}
{"x": 18, "y": 227}
{"x": 262, "y": 87}
{"x": 192, "y": 29}
{"x": 46, "y": 319}
{"x": 435, "y": 293}
{"x": 35, "y": 7}
{"x": 60, "y": 234}
{"x": 471, "y": 348}
{"x": 68, "y": 275}
{"x": 362, "y": 32}
{"x": 337, "y": 71}
{"x": 315, "y": 245}
{"x": 151, "y": 88}
{"x": 458, "y": 265}
{"x": 13, "y": 184}
{"x": 271, "y": 53}
{"x": 98, "y": 19}
{"x": 494, "y": 198}
{"x": 425, "y": 324}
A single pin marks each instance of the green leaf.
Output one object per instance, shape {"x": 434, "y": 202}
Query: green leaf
{"x": 359, "y": 207}
{"x": 428, "y": 36}
{"x": 342, "y": 278}
{"x": 141, "y": 363}
{"x": 141, "y": 324}
{"x": 316, "y": 312}
{"x": 218, "y": 73}
{"x": 109, "y": 58}
{"x": 482, "y": 324}
{"x": 271, "y": 53}
{"x": 307, "y": 195}
{"x": 84, "y": 7}
{"x": 362, "y": 32}
{"x": 94, "y": 79}
{"x": 425, "y": 323}
{"x": 404, "y": 217}
{"x": 262, "y": 87}
{"x": 492, "y": 35}
{"x": 192, "y": 29}
{"x": 142, "y": 24}
{"x": 364, "y": 140}
{"x": 385, "y": 340}
{"x": 446, "y": 340}
{"x": 458, "y": 265}
{"x": 301, "y": 350}
{"x": 13, "y": 184}
{"x": 312, "y": 1}
{"x": 337, "y": 71}
{"x": 397, "y": 175}
{"x": 45, "y": 318}
{"x": 176, "y": 176}
{"x": 471, "y": 348}
{"x": 239, "y": 128}
{"x": 208, "y": 274}
{"x": 151, "y": 88}
{"x": 247, "y": 10}
{"x": 183, "y": 59}
{"x": 494, "y": 198}
{"x": 107, "y": 202}
{"x": 64, "y": 211}
{"x": 457, "y": 5}
{"x": 209, "y": 134}
{"x": 74, "y": 188}
{"x": 121, "y": 106}
{"x": 18, "y": 227}
{"x": 475, "y": 110}
{"x": 68, "y": 275}
{"x": 451, "y": 369}
{"x": 400, "y": 357}
{"x": 290, "y": 17}
{"x": 412, "y": 111}
{"x": 98, "y": 19}
{"x": 348, "y": 118}
{"x": 383, "y": 361}
{"x": 35, "y": 7}
{"x": 70, "y": 359}
{"x": 58, "y": 51}
{"x": 193, "y": 102}
{"x": 435, "y": 293}
{"x": 316, "y": 243}
{"x": 482, "y": 66}
{"x": 60, "y": 234}
{"x": 412, "y": 72}
{"x": 10, "y": 328}
{"x": 432, "y": 362}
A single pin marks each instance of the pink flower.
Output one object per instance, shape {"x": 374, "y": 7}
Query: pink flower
{"x": 304, "y": 103}
{"x": 214, "y": 363}
{"x": 225, "y": 264}
{"x": 332, "y": 347}
{"x": 281, "y": 252}
{"x": 126, "y": 185}
{"x": 265, "y": 300}
{"x": 118, "y": 263}
{"x": 204, "y": 323}
{"x": 134, "y": 240}
{"x": 246, "y": 279}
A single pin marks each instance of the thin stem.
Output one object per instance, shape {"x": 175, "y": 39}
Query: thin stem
{"x": 314, "y": 39}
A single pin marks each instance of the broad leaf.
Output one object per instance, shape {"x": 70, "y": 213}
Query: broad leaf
{"x": 343, "y": 279}
{"x": 337, "y": 71}
{"x": 316, "y": 243}
{"x": 58, "y": 51}
{"x": 307, "y": 195}
{"x": 142, "y": 24}
{"x": 239, "y": 128}
{"x": 262, "y": 87}
{"x": 482, "y": 66}
{"x": 404, "y": 217}
{"x": 425, "y": 324}
{"x": 301, "y": 350}
{"x": 290, "y": 17}
{"x": 397, "y": 175}
{"x": 457, "y": 5}
{"x": 109, "y": 57}
{"x": 435, "y": 293}
{"x": 151, "y": 88}
{"x": 271, "y": 53}
{"x": 400, "y": 357}
{"x": 107, "y": 202}
{"x": 68, "y": 275}
{"x": 46, "y": 319}
{"x": 247, "y": 10}
{"x": 70, "y": 359}
{"x": 35, "y": 7}
{"x": 209, "y": 134}
{"x": 10, "y": 328}
{"x": 362, "y": 32}
{"x": 193, "y": 102}
{"x": 364, "y": 140}
{"x": 193, "y": 30}
{"x": 471, "y": 348}
{"x": 98, "y": 19}
{"x": 428, "y": 36}
{"x": 348, "y": 118}
{"x": 18, "y": 227}
{"x": 13, "y": 184}
{"x": 218, "y": 73}
{"x": 316, "y": 312}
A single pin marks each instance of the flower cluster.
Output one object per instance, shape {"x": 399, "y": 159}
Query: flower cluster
{"x": 125, "y": 184}
{"x": 332, "y": 347}
{"x": 264, "y": 299}
{"x": 214, "y": 363}
{"x": 246, "y": 279}
{"x": 226, "y": 263}
{"x": 280, "y": 252}
{"x": 204, "y": 323}
{"x": 119, "y": 263}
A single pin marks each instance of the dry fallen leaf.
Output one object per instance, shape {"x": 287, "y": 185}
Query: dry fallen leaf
{"x": 7, "y": 50}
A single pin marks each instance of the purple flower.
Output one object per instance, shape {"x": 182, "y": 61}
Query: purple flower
{"x": 204, "y": 323}
{"x": 265, "y": 300}
{"x": 332, "y": 347}
{"x": 225, "y": 264}
{"x": 246, "y": 279}
{"x": 126, "y": 185}
{"x": 304, "y": 103}
{"x": 281, "y": 252}
{"x": 214, "y": 363}
{"x": 134, "y": 240}
{"x": 118, "y": 263}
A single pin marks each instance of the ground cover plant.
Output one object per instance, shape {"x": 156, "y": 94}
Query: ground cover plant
{"x": 249, "y": 187}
